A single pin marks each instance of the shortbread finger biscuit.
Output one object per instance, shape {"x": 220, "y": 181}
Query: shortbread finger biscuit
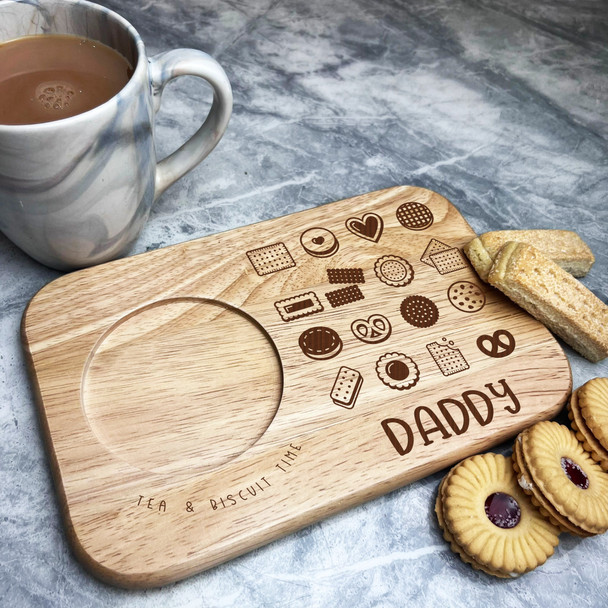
{"x": 554, "y": 297}
{"x": 584, "y": 434}
{"x": 492, "y": 520}
{"x": 566, "y": 475}
{"x": 524, "y": 479}
{"x": 593, "y": 401}
{"x": 564, "y": 247}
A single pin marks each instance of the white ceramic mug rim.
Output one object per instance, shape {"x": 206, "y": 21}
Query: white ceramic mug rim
{"x": 101, "y": 108}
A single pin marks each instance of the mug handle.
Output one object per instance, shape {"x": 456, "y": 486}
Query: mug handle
{"x": 190, "y": 62}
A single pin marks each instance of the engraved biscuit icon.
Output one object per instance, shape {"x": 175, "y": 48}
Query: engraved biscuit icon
{"x": 373, "y": 330}
{"x": 345, "y": 275}
{"x": 466, "y": 296}
{"x": 369, "y": 227}
{"x": 419, "y": 311}
{"x": 271, "y": 258}
{"x": 414, "y": 216}
{"x": 394, "y": 270}
{"x": 302, "y": 305}
{"x": 397, "y": 371}
{"x": 448, "y": 260}
{"x": 320, "y": 343}
{"x": 448, "y": 358}
{"x": 319, "y": 242}
{"x": 443, "y": 258}
{"x": 343, "y": 296}
{"x": 346, "y": 387}
{"x": 500, "y": 344}
{"x": 434, "y": 246}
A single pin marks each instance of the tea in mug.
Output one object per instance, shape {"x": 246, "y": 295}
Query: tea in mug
{"x": 49, "y": 77}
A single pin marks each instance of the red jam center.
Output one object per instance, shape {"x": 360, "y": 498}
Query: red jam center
{"x": 502, "y": 510}
{"x": 575, "y": 474}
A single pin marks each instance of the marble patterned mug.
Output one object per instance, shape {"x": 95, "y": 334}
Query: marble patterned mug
{"x": 77, "y": 191}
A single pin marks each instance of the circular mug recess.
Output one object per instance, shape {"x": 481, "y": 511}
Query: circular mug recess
{"x": 182, "y": 384}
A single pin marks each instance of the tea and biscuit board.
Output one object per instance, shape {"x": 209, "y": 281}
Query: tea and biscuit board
{"x": 201, "y": 400}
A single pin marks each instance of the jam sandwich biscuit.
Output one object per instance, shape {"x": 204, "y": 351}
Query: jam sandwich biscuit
{"x": 398, "y": 371}
{"x": 588, "y": 413}
{"x": 489, "y": 521}
{"x": 554, "y": 297}
{"x": 555, "y": 470}
{"x": 564, "y": 247}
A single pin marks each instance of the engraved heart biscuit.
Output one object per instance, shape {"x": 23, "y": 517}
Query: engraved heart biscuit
{"x": 369, "y": 227}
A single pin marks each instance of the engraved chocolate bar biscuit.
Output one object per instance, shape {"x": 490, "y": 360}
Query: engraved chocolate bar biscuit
{"x": 302, "y": 305}
{"x": 346, "y": 387}
{"x": 271, "y": 258}
{"x": 343, "y": 296}
{"x": 345, "y": 275}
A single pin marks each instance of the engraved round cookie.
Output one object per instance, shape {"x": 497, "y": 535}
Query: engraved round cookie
{"x": 319, "y": 242}
{"x": 320, "y": 343}
{"x": 584, "y": 434}
{"x": 547, "y": 510}
{"x": 419, "y": 311}
{"x": 466, "y": 296}
{"x": 414, "y": 216}
{"x": 491, "y": 520}
{"x": 397, "y": 371}
{"x": 593, "y": 404}
{"x": 566, "y": 475}
{"x": 394, "y": 271}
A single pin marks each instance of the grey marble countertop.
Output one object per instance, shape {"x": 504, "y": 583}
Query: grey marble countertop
{"x": 500, "y": 106}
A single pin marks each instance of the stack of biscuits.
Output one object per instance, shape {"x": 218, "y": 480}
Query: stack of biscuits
{"x": 537, "y": 269}
{"x": 504, "y": 516}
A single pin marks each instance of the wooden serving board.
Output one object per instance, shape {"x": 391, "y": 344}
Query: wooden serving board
{"x": 202, "y": 400}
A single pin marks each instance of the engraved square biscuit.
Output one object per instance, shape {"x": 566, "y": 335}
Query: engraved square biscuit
{"x": 448, "y": 260}
{"x": 343, "y": 296}
{"x": 302, "y": 305}
{"x": 449, "y": 359}
{"x": 346, "y": 387}
{"x": 433, "y": 247}
{"x": 271, "y": 258}
{"x": 345, "y": 275}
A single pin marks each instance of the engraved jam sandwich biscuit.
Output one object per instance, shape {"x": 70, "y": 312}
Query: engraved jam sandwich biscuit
{"x": 562, "y": 479}
{"x": 588, "y": 413}
{"x": 489, "y": 521}
{"x": 554, "y": 297}
{"x": 564, "y": 247}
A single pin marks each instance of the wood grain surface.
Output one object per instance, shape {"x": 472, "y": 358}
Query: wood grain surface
{"x": 202, "y": 400}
